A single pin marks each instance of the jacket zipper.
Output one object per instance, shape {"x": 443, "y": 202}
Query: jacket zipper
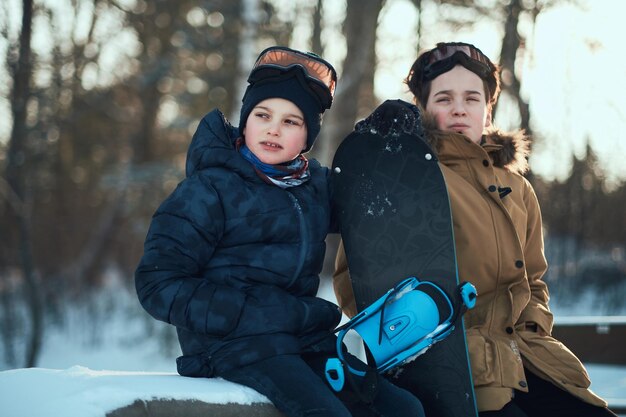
{"x": 304, "y": 237}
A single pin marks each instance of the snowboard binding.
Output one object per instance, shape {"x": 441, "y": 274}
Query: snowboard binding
{"x": 401, "y": 325}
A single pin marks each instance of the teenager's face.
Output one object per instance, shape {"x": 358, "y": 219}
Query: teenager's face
{"x": 275, "y": 131}
{"x": 457, "y": 100}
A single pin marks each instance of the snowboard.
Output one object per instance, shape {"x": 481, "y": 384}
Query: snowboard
{"x": 391, "y": 201}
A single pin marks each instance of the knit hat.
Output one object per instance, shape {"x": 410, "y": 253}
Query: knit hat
{"x": 291, "y": 86}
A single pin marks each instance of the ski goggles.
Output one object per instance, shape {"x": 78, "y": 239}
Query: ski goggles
{"x": 320, "y": 75}
{"x": 447, "y": 55}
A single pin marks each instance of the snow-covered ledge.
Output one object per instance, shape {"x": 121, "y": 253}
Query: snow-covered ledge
{"x": 82, "y": 392}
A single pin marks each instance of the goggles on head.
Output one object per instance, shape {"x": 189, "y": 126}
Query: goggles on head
{"x": 447, "y": 55}
{"x": 320, "y": 75}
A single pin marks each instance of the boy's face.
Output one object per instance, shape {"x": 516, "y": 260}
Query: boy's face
{"x": 457, "y": 100}
{"x": 275, "y": 131}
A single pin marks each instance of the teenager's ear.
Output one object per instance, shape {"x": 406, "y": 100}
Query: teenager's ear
{"x": 488, "y": 118}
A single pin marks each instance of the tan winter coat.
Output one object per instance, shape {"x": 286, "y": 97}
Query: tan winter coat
{"x": 499, "y": 245}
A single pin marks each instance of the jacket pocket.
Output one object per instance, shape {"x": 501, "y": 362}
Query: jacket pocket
{"x": 482, "y": 358}
{"x": 197, "y": 365}
{"x": 556, "y": 360}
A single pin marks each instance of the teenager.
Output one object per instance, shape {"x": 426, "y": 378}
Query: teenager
{"x": 518, "y": 368}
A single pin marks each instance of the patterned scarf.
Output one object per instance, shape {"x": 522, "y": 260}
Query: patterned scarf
{"x": 286, "y": 175}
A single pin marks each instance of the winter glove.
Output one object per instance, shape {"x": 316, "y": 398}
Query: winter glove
{"x": 319, "y": 314}
{"x": 393, "y": 117}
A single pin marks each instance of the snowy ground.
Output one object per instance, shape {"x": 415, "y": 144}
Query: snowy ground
{"x": 82, "y": 392}
{"x": 119, "y": 354}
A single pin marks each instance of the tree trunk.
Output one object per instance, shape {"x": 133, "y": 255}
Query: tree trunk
{"x": 17, "y": 156}
{"x": 316, "y": 37}
{"x": 358, "y": 68}
{"x": 418, "y": 7}
{"x": 510, "y": 47}
{"x": 247, "y": 52}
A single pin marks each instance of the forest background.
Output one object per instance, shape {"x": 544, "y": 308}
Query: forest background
{"x": 99, "y": 99}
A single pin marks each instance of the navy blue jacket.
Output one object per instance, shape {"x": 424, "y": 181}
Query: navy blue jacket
{"x": 234, "y": 262}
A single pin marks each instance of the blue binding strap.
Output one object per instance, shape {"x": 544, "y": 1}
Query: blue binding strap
{"x": 401, "y": 325}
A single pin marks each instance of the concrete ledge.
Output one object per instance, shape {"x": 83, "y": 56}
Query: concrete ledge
{"x": 194, "y": 408}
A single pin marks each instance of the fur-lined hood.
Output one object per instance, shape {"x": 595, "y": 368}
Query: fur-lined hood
{"x": 508, "y": 150}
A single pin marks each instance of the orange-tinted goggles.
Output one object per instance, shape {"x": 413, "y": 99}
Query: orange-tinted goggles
{"x": 320, "y": 75}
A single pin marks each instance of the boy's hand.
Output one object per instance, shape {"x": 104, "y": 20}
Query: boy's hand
{"x": 319, "y": 314}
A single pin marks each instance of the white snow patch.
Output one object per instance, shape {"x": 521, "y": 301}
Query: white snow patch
{"x": 82, "y": 392}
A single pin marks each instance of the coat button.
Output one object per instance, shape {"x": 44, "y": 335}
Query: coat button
{"x": 485, "y": 162}
{"x": 519, "y": 264}
{"x": 492, "y": 188}
{"x": 523, "y": 384}
{"x": 509, "y": 330}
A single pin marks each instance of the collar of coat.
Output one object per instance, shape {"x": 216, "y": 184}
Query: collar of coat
{"x": 508, "y": 150}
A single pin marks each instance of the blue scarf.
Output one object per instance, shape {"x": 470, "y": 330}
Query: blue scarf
{"x": 286, "y": 175}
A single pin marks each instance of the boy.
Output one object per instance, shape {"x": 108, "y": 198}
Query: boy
{"x": 233, "y": 255}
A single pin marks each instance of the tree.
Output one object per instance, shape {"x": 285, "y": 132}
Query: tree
{"x": 316, "y": 37}
{"x": 585, "y": 233}
{"x": 354, "y": 94}
{"x": 511, "y": 44}
{"x": 16, "y": 186}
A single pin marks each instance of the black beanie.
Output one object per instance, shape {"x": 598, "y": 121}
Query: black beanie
{"x": 290, "y": 86}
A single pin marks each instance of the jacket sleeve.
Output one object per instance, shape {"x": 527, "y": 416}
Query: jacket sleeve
{"x": 537, "y": 310}
{"x": 182, "y": 236}
{"x": 342, "y": 284}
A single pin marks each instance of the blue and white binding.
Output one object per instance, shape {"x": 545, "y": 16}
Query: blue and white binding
{"x": 401, "y": 325}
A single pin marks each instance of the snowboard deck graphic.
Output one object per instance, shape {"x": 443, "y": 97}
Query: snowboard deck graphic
{"x": 392, "y": 204}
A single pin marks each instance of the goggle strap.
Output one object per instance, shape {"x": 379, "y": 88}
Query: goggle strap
{"x": 322, "y": 95}
{"x": 431, "y": 71}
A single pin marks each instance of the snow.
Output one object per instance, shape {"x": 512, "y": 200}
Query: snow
{"x": 82, "y": 392}
{"x": 109, "y": 353}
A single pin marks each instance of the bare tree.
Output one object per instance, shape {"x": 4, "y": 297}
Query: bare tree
{"x": 16, "y": 185}
{"x": 247, "y": 49}
{"x": 418, "y": 7}
{"x": 511, "y": 44}
{"x": 316, "y": 37}
{"x": 356, "y": 81}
